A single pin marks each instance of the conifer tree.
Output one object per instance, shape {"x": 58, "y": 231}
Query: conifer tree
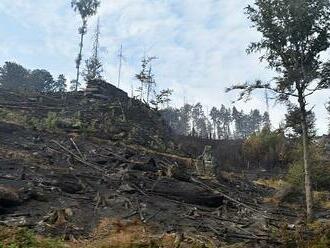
{"x": 60, "y": 84}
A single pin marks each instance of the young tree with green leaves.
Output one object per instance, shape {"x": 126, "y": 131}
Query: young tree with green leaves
{"x": 295, "y": 33}
{"x": 86, "y": 9}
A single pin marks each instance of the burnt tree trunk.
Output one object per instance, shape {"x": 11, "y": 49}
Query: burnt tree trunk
{"x": 82, "y": 32}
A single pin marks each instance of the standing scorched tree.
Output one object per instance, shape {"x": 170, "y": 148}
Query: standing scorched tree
{"x": 86, "y": 9}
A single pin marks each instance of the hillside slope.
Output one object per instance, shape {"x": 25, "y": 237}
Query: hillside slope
{"x": 91, "y": 168}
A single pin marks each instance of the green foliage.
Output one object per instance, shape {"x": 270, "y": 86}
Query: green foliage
{"x": 294, "y": 51}
{"x": 320, "y": 175}
{"x": 3, "y": 114}
{"x": 11, "y": 116}
{"x": 76, "y": 120}
{"x": 192, "y": 120}
{"x": 265, "y": 148}
{"x": 296, "y": 174}
{"x": 60, "y": 84}
{"x": 322, "y": 242}
{"x": 320, "y": 170}
{"x": 15, "y": 77}
{"x": 35, "y": 123}
{"x": 285, "y": 41}
{"x": 93, "y": 69}
{"x": 162, "y": 99}
{"x": 24, "y": 238}
{"x": 41, "y": 81}
{"x": 321, "y": 237}
{"x": 291, "y": 49}
{"x": 86, "y": 8}
{"x": 199, "y": 121}
{"x": 52, "y": 120}
{"x": 247, "y": 124}
{"x": 293, "y": 122}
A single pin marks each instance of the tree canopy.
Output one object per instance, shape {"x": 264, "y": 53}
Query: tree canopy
{"x": 85, "y": 8}
{"x": 294, "y": 34}
{"x": 15, "y": 77}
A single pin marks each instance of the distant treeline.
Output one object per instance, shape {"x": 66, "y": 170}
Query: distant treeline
{"x": 15, "y": 77}
{"x": 223, "y": 123}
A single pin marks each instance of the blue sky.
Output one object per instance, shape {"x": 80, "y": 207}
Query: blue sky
{"x": 200, "y": 44}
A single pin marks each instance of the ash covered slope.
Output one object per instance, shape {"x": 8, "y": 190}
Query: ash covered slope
{"x": 101, "y": 111}
{"x": 69, "y": 160}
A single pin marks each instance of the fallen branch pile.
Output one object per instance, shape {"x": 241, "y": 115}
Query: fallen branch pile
{"x": 81, "y": 182}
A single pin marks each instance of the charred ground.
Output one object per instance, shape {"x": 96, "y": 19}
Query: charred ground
{"x": 72, "y": 162}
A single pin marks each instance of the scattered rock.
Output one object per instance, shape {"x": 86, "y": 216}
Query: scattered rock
{"x": 9, "y": 197}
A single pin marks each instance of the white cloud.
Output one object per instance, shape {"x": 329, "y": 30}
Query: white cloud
{"x": 200, "y": 44}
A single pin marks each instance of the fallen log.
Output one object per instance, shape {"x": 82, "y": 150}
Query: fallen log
{"x": 186, "y": 192}
{"x": 230, "y": 198}
{"x": 77, "y": 157}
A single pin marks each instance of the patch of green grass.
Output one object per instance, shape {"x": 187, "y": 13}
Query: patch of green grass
{"x": 52, "y": 120}
{"x": 24, "y": 238}
{"x": 11, "y": 116}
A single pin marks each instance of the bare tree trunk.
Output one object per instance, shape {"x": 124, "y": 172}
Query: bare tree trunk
{"x": 228, "y": 131}
{"x": 214, "y": 130}
{"x": 79, "y": 58}
{"x": 308, "y": 186}
{"x": 148, "y": 91}
{"x": 141, "y": 95}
